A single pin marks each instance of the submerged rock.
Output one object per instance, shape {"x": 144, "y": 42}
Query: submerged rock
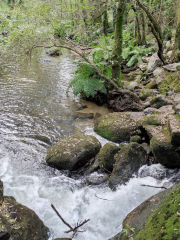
{"x": 18, "y": 222}
{"x": 118, "y": 127}
{"x": 106, "y": 156}
{"x": 73, "y": 152}
{"x": 128, "y": 161}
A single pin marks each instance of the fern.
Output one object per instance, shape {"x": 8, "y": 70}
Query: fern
{"x": 134, "y": 54}
{"x": 88, "y": 86}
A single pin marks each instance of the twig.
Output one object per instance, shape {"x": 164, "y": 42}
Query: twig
{"x": 62, "y": 219}
{"x": 75, "y": 229}
{"x": 153, "y": 186}
{"x": 102, "y": 198}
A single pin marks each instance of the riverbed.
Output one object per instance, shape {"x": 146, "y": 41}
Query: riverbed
{"x": 35, "y": 112}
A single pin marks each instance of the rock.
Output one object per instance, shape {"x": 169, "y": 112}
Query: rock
{"x": 166, "y": 109}
{"x": 146, "y": 148}
{"x": 143, "y": 67}
{"x": 151, "y": 85}
{"x": 177, "y": 98}
{"x": 177, "y": 108}
{"x": 4, "y": 235}
{"x": 1, "y": 192}
{"x": 55, "y": 52}
{"x": 171, "y": 67}
{"x": 157, "y": 71}
{"x": 164, "y": 152}
{"x": 19, "y": 222}
{"x": 150, "y": 111}
{"x": 159, "y": 101}
{"x": 160, "y": 215}
{"x": 174, "y": 127}
{"x": 136, "y": 139}
{"x": 131, "y": 85}
{"x": 169, "y": 53}
{"x": 118, "y": 126}
{"x": 146, "y": 104}
{"x": 106, "y": 156}
{"x": 94, "y": 166}
{"x": 97, "y": 180}
{"x": 154, "y": 217}
{"x": 145, "y": 94}
{"x": 154, "y": 62}
{"x": 84, "y": 113}
{"x": 145, "y": 59}
{"x": 73, "y": 152}
{"x": 128, "y": 161}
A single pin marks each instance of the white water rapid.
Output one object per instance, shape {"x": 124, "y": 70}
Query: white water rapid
{"x": 34, "y": 113}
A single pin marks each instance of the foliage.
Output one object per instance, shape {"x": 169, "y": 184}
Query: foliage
{"x": 134, "y": 54}
{"x": 86, "y": 79}
{"x": 128, "y": 231}
{"x": 86, "y": 85}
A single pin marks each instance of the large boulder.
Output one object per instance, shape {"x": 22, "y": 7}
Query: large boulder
{"x": 18, "y": 222}
{"x": 118, "y": 126}
{"x": 156, "y": 218}
{"x": 73, "y": 152}
{"x": 128, "y": 161}
{"x": 106, "y": 156}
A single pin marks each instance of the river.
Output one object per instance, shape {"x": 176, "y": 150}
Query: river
{"x": 35, "y": 112}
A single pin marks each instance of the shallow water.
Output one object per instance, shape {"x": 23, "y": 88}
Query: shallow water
{"x": 34, "y": 113}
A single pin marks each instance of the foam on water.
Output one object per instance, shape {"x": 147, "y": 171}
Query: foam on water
{"x": 75, "y": 202}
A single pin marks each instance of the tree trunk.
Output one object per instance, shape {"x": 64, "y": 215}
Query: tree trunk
{"x": 143, "y": 28}
{"x": 118, "y": 40}
{"x": 156, "y": 30}
{"x": 105, "y": 22}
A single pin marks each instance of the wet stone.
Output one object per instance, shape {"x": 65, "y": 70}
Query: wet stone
{"x": 1, "y": 192}
{"x": 174, "y": 127}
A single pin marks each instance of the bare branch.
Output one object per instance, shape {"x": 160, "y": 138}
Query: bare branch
{"x": 143, "y": 185}
{"x": 75, "y": 229}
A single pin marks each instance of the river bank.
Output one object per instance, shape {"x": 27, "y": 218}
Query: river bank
{"x": 35, "y": 114}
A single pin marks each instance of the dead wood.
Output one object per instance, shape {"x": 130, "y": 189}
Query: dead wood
{"x": 75, "y": 229}
{"x": 153, "y": 186}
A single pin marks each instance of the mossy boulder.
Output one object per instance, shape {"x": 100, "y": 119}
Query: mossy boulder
{"x": 136, "y": 139}
{"x": 163, "y": 151}
{"x": 73, "y": 152}
{"x": 170, "y": 82}
{"x": 151, "y": 85}
{"x": 150, "y": 120}
{"x": 118, "y": 126}
{"x": 127, "y": 162}
{"x": 160, "y": 208}
{"x": 106, "y": 156}
{"x": 159, "y": 101}
{"x": 19, "y": 222}
{"x": 164, "y": 222}
{"x": 174, "y": 127}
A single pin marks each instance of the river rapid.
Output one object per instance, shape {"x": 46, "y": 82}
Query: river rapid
{"x": 35, "y": 112}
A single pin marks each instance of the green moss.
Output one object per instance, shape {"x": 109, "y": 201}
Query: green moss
{"x": 150, "y": 120}
{"x": 171, "y": 82}
{"x": 164, "y": 223}
{"x": 178, "y": 67}
{"x": 151, "y": 85}
{"x": 145, "y": 95}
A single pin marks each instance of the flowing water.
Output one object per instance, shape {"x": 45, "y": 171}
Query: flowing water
{"x": 34, "y": 113}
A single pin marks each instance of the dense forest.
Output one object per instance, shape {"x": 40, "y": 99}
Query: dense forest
{"x": 90, "y": 119}
{"x": 120, "y": 33}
